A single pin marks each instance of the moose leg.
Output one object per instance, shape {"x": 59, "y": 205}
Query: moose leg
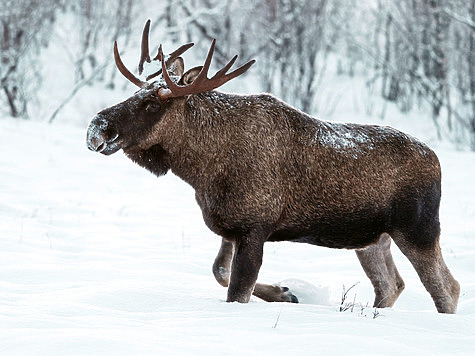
{"x": 247, "y": 261}
{"x": 267, "y": 292}
{"x": 273, "y": 293}
{"x": 378, "y": 264}
{"x": 222, "y": 263}
{"x": 432, "y": 271}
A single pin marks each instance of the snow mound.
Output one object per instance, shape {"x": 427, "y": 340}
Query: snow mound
{"x": 307, "y": 293}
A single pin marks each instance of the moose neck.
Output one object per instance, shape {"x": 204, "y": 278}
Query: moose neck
{"x": 201, "y": 136}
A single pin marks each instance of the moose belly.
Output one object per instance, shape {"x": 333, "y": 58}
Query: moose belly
{"x": 350, "y": 231}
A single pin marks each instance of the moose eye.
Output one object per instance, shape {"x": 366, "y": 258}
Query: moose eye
{"x": 152, "y": 107}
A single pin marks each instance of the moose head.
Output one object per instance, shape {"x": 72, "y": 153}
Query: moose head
{"x": 125, "y": 125}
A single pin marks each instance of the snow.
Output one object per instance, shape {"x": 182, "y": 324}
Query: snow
{"x": 341, "y": 139}
{"x": 99, "y": 257}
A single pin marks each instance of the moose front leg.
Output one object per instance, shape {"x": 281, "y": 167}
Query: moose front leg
{"x": 267, "y": 292}
{"x": 247, "y": 261}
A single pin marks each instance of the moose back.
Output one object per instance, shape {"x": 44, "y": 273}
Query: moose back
{"x": 265, "y": 171}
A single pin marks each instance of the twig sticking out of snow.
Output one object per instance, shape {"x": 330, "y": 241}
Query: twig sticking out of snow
{"x": 278, "y": 317}
{"x": 343, "y": 305}
{"x": 376, "y": 313}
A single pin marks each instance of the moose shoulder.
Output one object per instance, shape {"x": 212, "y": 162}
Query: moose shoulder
{"x": 264, "y": 171}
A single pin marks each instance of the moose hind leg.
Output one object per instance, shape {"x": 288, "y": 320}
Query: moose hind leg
{"x": 378, "y": 264}
{"x": 267, "y": 292}
{"x": 432, "y": 271}
{"x": 222, "y": 263}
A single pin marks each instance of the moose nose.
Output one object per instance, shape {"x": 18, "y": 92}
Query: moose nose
{"x": 97, "y": 134}
{"x": 96, "y": 144}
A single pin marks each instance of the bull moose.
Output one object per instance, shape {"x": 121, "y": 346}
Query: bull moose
{"x": 265, "y": 171}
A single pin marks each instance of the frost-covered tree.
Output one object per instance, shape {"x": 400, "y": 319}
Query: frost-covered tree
{"x": 410, "y": 52}
{"x": 421, "y": 54}
{"x": 297, "y": 46}
{"x": 98, "y": 24}
{"x": 25, "y": 27}
{"x": 291, "y": 39}
{"x": 223, "y": 20}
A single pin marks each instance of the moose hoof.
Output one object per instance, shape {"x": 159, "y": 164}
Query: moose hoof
{"x": 287, "y": 296}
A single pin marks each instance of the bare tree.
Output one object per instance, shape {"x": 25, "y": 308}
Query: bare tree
{"x": 412, "y": 52}
{"x": 99, "y": 22}
{"x": 24, "y": 30}
{"x": 422, "y": 53}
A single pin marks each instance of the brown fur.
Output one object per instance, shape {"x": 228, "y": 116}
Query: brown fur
{"x": 264, "y": 171}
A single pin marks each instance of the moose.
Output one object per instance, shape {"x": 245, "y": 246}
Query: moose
{"x": 265, "y": 171}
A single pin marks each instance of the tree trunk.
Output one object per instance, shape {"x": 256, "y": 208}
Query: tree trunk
{"x": 471, "y": 69}
{"x": 387, "y": 57}
{"x": 11, "y": 102}
{"x": 439, "y": 72}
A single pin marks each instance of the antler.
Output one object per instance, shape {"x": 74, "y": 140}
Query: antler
{"x": 123, "y": 69}
{"x": 145, "y": 54}
{"x": 201, "y": 83}
{"x": 175, "y": 54}
{"x": 145, "y": 57}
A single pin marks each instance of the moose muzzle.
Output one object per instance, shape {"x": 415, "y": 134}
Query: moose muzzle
{"x": 102, "y": 137}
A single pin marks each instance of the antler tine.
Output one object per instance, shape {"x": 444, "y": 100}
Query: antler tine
{"x": 226, "y": 67}
{"x": 166, "y": 93}
{"x": 177, "y": 53}
{"x": 126, "y": 73}
{"x": 202, "y": 83}
{"x": 145, "y": 53}
{"x": 203, "y": 75}
{"x": 175, "y": 90}
{"x": 145, "y": 57}
{"x": 238, "y": 71}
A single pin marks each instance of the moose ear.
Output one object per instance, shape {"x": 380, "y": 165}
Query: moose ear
{"x": 190, "y": 76}
{"x": 177, "y": 67}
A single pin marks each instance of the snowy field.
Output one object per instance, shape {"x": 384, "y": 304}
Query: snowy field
{"x": 99, "y": 257}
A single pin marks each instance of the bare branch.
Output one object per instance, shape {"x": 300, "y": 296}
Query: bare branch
{"x": 459, "y": 18}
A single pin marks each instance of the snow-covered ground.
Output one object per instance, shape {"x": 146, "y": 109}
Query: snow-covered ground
{"x": 99, "y": 257}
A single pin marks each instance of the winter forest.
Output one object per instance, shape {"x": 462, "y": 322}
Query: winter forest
{"x": 100, "y": 257}
{"x": 413, "y": 53}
